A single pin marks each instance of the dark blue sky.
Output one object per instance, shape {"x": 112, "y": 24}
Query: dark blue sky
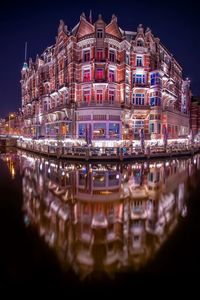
{"x": 177, "y": 24}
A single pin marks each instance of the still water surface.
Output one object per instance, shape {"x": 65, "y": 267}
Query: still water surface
{"x": 77, "y": 223}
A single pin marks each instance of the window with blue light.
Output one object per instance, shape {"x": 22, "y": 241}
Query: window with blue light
{"x": 138, "y": 99}
{"x": 139, "y": 78}
{"x": 113, "y": 129}
{"x": 82, "y": 130}
{"x": 155, "y": 101}
{"x": 155, "y": 79}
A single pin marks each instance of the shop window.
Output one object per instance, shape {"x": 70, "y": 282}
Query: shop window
{"x": 114, "y": 130}
{"x": 99, "y": 130}
{"x": 82, "y": 130}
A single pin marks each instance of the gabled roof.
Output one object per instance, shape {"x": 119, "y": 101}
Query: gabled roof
{"x": 113, "y": 28}
{"x": 83, "y": 27}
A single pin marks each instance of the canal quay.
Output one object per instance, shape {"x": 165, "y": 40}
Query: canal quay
{"x": 78, "y": 223}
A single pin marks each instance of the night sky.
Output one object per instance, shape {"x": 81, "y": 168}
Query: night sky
{"x": 177, "y": 24}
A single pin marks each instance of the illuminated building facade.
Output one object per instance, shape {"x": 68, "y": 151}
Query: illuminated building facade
{"x": 105, "y": 84}
{"x": 195, "y": 116}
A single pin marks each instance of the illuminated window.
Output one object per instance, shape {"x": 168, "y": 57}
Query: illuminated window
{"x": 112, "y": 56}
{"x": 99, "y": 54}
{"x": 138, "y": 99}
{"x": 127, "y": 76}
{"x": 86, "y": 75}
{"x": 99, "y": 33}
{"x": 139, "y": 61}
{"x": 111, "y": 96}
{"x": 138, "y": 125}
{"x": 86, "y": 55}
{"x": 99, "y": 73}
{"x": 86, "y": 96}
{"x": 111, "y": 75}
{"x": 82, "y": 129}
{"x": 139, "y": 78}
{"x": 114, "y": 130}
{"x": 127, "y": 95}
{"x": 99, "y": 96}
{"x": 155, "y": 79}
{"x": 99, "y": 130}
{"x": 127, "y": 59}
{"x": 155, "y": 98}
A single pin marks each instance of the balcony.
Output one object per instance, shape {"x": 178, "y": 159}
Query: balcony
{"x": 100, "y": 80}
{"x": 102, "y": 60}
{"x": 168, "y": 93}
{"x": 140, "y": 85}
{"x": 96, "y": 104}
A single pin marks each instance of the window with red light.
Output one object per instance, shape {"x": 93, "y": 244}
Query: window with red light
{"x": 86, "y": 75}
{"x": 99, "y": 54}
{"x": 86, "y": 95}
{"x": 99, "y": 73}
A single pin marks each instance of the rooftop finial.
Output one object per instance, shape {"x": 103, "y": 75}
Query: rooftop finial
{"x": 83, "y": 15}
{"x": 114, "y": 18}
{"x": 25, "y": 52}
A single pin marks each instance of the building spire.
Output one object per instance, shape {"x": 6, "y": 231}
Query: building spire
{"x": 90, "y": 16}
{"x": 25, "y": 54}
{"x": 25, "y": 65}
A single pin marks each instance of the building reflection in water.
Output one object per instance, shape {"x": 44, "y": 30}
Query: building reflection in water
{"x": 104, "y": 217}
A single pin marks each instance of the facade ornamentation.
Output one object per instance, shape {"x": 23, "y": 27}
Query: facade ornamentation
{"x": 105, "y": 85}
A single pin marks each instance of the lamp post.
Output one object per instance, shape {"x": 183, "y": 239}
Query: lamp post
{"x": 10, "y": 116}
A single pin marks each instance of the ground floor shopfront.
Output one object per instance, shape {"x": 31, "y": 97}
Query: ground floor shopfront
{"x": 99, "y": 126}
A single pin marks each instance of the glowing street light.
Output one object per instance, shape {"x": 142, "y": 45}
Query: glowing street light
{"x": 9, "y": 117}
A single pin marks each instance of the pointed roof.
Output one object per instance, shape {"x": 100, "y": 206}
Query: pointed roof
{"x": 113, "y": 28}
{"x": 83, "y": 27}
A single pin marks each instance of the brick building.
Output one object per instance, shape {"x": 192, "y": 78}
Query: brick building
{"x": 105, "y": 84}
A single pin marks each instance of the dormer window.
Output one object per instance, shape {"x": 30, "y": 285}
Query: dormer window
{"x": 99, "y": 33}
{"x": 140, "y": 43}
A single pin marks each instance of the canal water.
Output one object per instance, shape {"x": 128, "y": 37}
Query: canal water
{"x": 71, "y": 225}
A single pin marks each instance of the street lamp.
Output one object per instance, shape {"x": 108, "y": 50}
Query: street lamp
{"x": 10, "y": 116}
